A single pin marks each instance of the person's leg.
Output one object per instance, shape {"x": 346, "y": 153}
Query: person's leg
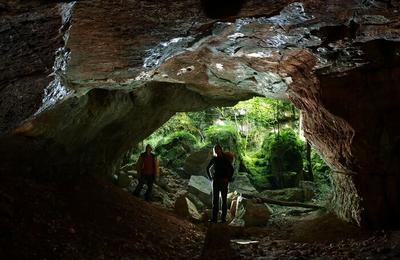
{"x": 215, "y": 201}
{"x": 224, "y": 195}
{"x": 139, "y": 186}
{"x": 150, "y": 181}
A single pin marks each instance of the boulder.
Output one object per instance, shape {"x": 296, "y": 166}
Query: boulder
{"x": 124, "y": 180}
{"x": 242, "y": 184}
{"x": 288, "y": 194}
{"x": 196, "y": 201}
{"x": 232, "y": 196}
{"x": 200, "y": 186}
{"x": 249, "y": 214}
{"x": 185, "y": 208}
{"x": 196, "y": 163}
{"x": 232, "y": 208}
{"x": 206, "y": 215}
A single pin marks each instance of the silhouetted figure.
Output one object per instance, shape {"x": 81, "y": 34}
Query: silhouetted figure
{"x": 147, "y": 169}
{"x": 223, "y": 172}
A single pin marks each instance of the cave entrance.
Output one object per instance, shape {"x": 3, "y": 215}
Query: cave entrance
{"x": 273, "y": 160}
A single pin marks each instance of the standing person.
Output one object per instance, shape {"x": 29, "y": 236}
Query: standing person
{"x": 223, "y": 172}
{"x": 147, "y": 169}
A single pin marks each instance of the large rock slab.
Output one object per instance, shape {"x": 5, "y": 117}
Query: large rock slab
{"x": 200, "y": 186}
{"x": 248, "y": 213}
{"x": 196, "y": 163}
{"x": 242, "y": 184}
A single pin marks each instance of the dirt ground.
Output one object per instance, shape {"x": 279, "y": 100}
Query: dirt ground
{"x": 317, "y": 236}
{"x": 90, "y": 218}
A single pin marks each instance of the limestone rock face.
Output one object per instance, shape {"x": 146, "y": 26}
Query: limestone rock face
{"x": 82, "y": 82}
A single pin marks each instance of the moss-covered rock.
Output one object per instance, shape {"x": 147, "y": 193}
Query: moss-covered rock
{"x": 225, "y": 135}
{"x": 175, "y": 148}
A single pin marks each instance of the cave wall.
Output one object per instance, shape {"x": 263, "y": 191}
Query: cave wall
{"x": 84, "y": 81}
{"x": 29, "y": 37}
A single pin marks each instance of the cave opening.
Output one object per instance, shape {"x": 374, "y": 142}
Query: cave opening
{"x": 265, "y": 137}
{"x": 84, "y": 81}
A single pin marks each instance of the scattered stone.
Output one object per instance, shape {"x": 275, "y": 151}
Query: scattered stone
{"x": 185, "y": 208}
{"x": 196, "y": 201}
{"x": 250, "y": 214}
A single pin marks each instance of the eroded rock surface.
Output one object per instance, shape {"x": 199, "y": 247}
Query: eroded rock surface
{"x": 117, "y": 76}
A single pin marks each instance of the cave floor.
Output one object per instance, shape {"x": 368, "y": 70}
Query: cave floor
{"x": 313, "y": 236}
{"x": 90, "y": 218}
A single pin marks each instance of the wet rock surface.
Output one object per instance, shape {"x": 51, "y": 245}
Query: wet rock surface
{"x": 28, "y": 41}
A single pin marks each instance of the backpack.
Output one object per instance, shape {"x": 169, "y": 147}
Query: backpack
{"x": 229, "y": 166}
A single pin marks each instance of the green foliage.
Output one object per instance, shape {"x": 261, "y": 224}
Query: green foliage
{"x": 255, "y": 165}
{"x": 322, "y": 174}
{"x": 284, "y": 152}
{"x": 261, "y": 132}
{"x": 175, "y": 147}
{"x": 279, "y": 153}
{"x": 182, "y": 137}
{"x": 226, "y": 135}
{"x": 179, "y": 122}
{"x": 258, "y": 110}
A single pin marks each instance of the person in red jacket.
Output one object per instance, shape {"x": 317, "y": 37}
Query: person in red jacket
{"x": 223, "y": 172}
{"x": 147, "y": 169}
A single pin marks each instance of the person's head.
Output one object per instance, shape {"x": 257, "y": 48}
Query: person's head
{"x": 218, "y": 149}
{"x": 148, "y": 149}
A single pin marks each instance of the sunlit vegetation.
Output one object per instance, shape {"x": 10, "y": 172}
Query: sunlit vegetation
{"x": 262, "y": 133}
